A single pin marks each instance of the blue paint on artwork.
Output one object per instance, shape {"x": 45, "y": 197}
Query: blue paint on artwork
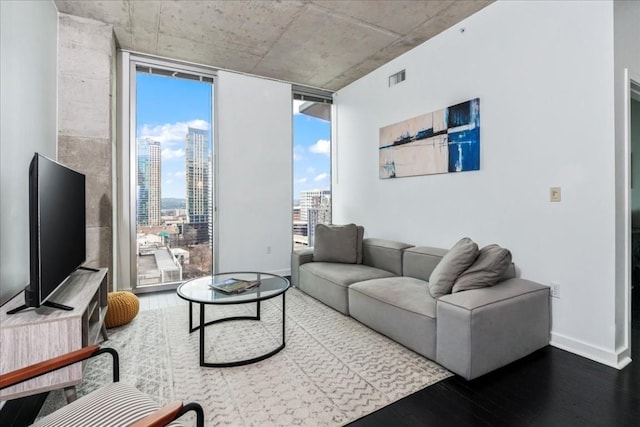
{"x": 464, "y": 136}
{"x": 459, "y": 115}
{"x": 464, "y": 156}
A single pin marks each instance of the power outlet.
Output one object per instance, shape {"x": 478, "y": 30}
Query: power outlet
{"x": 555, "y": 290}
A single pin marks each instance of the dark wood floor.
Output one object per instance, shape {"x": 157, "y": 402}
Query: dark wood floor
{"x": 550, "y": 387}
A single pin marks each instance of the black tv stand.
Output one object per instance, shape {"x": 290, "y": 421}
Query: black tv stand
{"x": 46, "y": 303}
{"x": 57, "y": 305}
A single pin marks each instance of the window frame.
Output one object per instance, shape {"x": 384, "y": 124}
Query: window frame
{"x": 303, "y": 93}
{"x": 125, "y": 179}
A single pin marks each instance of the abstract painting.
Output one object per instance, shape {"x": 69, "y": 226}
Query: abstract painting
{"x": 447, "y": 140}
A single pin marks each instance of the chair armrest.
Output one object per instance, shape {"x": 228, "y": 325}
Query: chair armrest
{"x": 298, "y": 258}
{"x": 170, "y": 412}
{"x": 32, "y": 371}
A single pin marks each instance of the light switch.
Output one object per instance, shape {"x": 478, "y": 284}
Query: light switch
{"x": 555, "y": 194}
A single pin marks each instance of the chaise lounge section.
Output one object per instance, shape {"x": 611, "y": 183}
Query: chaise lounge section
{"x": 471, "y": 332}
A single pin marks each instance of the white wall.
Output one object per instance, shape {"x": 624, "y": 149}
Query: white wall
{"x": 544, "y": 74}
{"x": 254, "y": 161}
{"x": 28, "y": 123}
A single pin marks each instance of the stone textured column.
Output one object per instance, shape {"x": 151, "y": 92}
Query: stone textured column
{"x": 86, "y": 56}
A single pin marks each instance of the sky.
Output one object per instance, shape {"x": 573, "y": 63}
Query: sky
{"x": 167, "y": 106}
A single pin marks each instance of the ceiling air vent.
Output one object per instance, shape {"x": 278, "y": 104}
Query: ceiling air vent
{"x": 396, "y": 78}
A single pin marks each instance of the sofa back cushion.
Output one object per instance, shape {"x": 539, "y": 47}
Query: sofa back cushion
{"x": 336, "y": 243}
{"x": 419, "y": 262}
{"x": 359, "y": 244}
{"x": 384, "y": 254}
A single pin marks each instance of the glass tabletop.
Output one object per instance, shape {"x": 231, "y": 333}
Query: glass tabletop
{"x": 201, "y": 291}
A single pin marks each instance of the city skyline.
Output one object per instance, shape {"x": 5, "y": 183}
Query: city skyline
{"x": 167, "y": 107}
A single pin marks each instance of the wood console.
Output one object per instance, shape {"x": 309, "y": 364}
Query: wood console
{"x": 34, "y": 335}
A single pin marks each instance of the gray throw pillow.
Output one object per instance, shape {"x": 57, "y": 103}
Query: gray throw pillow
{"x": 457, "y": 260}
{"x": 336, "y": 243}
{"x": 486, "y": 271}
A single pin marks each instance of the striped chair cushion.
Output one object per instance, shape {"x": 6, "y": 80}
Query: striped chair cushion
{"x": 113, "y": 405}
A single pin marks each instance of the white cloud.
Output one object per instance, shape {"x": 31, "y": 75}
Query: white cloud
{"x": 199, "y": 124}
{"x": 311, "y": 170}
{"x": 168, "y": 181}
{"x": 323, "y": 146}
{"x": 321, "y": 177}
{"x": 178, "y": 174}
{"x": 168, "y": 153}
{"x": 171, "y": 134}
{"x": 301, "y": 180}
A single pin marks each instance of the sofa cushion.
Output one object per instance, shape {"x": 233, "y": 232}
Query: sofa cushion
{"x": 336, "y": 243}
{"x": 420, "y": 261}
{"x": 490, "y": 266}
{"x": 329, "y": 282}
{"x": 344, "y": 274}
{"x": 398, "y": 307}
{"x": 457, "y": 260}
{"x": 402, "y": 292}
{"x": 384, "y": 254}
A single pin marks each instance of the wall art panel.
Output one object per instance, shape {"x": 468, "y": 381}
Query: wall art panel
{"x": 446, "y": 140}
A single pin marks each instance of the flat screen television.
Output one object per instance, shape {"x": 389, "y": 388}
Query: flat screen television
{"x": 57, "y": 229}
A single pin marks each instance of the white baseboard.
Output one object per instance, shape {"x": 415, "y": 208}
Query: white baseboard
{"x": 618, "y": 359}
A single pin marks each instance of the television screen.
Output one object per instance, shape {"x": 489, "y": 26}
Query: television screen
{"x": 57, "y": 225}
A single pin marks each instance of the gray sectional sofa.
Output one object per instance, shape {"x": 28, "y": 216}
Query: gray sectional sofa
{"x": 386, "y": 288}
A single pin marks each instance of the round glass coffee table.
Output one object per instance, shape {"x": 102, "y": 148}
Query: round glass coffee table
{"x": 201, "y": 291}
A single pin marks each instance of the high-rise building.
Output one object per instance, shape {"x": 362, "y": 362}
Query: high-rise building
{"x": 211, "y": 206}
{"x": 315, "y": 199}
{"x": 315, "y": 208}
{"x": 149, "y": 182}
{"x": 197, "y": 174}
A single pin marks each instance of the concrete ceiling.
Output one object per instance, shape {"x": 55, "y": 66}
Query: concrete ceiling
{"x": 318, "y": 43}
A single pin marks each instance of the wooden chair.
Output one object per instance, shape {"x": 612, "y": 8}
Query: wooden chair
{"x": 116, "y": 404}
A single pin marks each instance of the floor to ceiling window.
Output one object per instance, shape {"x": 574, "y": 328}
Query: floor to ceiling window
{"x": 171, "y": 173}
{"x": 311, "y": 166}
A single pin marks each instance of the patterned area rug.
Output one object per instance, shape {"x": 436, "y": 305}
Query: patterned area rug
{"x": 332, "y": 371}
